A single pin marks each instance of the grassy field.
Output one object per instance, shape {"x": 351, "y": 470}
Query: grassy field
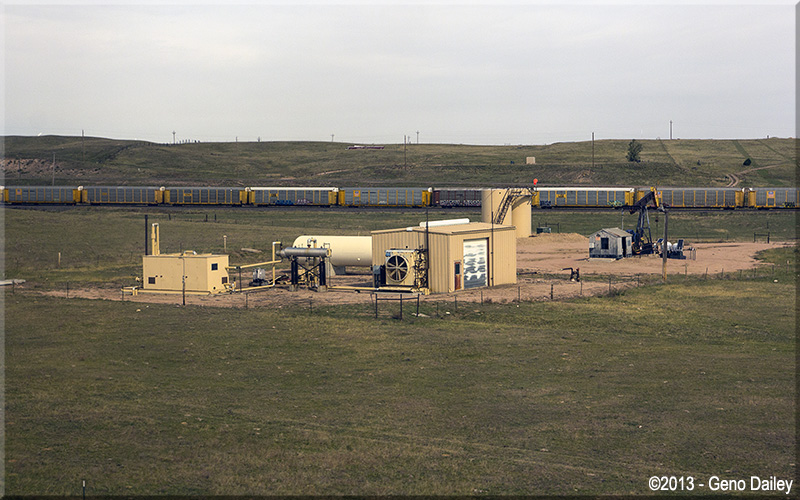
{"x": 104, "y": 246}
{"x": 587, "y": 396}
{"x": 590, "y": 396}
{"x": 676, "y": 163}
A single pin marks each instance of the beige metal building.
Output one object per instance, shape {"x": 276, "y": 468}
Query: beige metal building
{"x": 462, "y": 256}
{"x": 205, "y": 273}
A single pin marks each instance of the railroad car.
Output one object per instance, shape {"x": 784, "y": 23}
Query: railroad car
{"x": 385, "y": 197}
{"x": 702, "y": 197}
{"x": 319, "y": 196}
{"x": 602, "y": 197}
{"x": 40, "y": 194}
{"x": 773, "y": 197}
{"x": 456, "y": 197}
{"x": 205, "y": 196}
{"x": 111, "y": 195}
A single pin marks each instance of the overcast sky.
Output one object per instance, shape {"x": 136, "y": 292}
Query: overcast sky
{"x": 517, "y": 73}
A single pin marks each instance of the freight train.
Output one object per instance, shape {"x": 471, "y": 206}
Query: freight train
{"x": 543, "y": 197}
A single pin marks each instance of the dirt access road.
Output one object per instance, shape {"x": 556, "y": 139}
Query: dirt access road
{"x": 540, "y": 263}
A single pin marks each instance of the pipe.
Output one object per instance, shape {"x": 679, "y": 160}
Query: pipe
{"x": 450, "y": 222}
{"x": 304, "y": 252}
{"x": 248, "y": 266}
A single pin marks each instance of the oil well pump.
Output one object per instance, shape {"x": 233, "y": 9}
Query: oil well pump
{"x": 642, "y": 241}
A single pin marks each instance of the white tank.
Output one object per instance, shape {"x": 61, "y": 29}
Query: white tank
{"x": 345, "y": 250}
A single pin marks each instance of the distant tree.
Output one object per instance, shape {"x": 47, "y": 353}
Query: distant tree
{"x": 634, "y": 148}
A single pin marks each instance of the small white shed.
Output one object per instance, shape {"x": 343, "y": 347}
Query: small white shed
{"x": 610, "y": 243}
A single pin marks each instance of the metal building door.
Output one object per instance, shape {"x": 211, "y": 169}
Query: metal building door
{"x": 475, "y": 262}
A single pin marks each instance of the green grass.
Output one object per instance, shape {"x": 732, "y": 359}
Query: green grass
{"x": 674, "y": 163}
{"x": 583, "y": 396}
{"x": 590, "y": 396}
{"x": 104, "y": 245}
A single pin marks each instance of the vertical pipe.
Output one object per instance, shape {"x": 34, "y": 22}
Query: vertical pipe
{"x": 664, "y": 249}
{"x": 146, "y": 235}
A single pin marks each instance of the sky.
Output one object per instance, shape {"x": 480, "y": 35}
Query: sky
{"x": 379, "y": 72}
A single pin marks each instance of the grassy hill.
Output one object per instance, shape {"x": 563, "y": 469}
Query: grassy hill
{"x": 95, "y": 161}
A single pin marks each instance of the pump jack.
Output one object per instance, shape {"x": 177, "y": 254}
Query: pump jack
{"x": 642, "y": 239}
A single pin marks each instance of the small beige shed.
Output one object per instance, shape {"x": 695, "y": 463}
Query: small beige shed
{"x": 205, "y": 273}
{"x": 462, "y": 256}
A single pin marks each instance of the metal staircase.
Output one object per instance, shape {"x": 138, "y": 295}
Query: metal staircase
{"x": 510, "y": 195}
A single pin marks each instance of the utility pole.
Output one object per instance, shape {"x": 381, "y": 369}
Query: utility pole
{"x": 405, "y": 141}
{"x": 592, "y": 150}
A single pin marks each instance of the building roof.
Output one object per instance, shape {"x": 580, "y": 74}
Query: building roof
{"x": 615, "y": 231}
{"x": 188, "y": 254}
{"x": 472, "y": 227}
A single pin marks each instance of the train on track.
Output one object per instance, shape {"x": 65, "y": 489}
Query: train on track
{"x": 542, "y": 197}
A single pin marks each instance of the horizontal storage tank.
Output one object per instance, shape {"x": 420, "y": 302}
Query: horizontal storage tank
{"x": 345, "y": 250}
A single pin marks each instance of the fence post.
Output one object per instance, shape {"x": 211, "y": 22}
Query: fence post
{"x": 551, "y": 290}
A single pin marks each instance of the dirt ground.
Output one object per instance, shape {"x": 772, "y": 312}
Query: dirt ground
{"x": 541, "y": 261}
